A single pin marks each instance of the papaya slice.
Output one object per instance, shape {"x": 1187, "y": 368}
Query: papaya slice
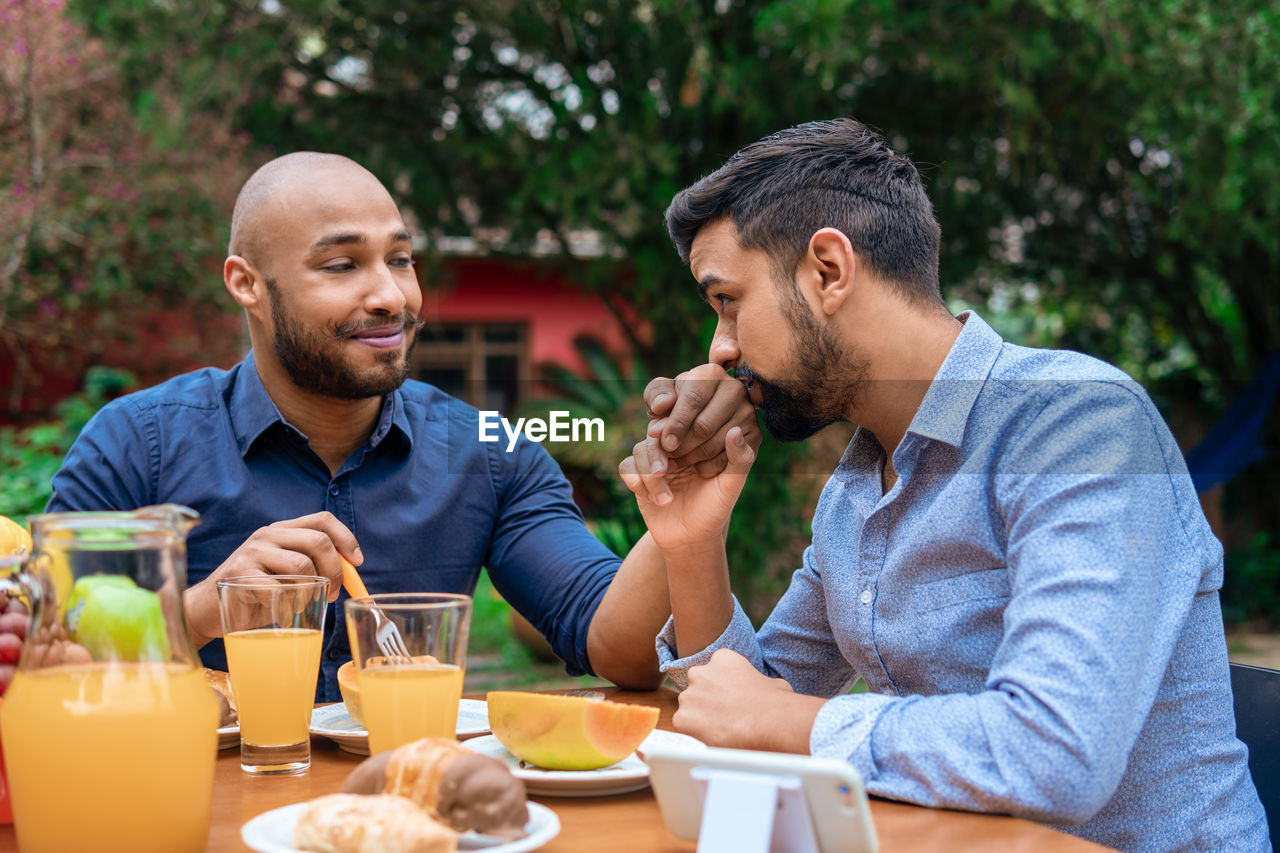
{"x": 349, "y": 687}
{"x": 349, "y": 683}
{"x": 567, "y": 732}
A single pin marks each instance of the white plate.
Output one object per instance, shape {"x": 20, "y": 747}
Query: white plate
{"x": 272, "y": 832}
{"x": 228, "y": 736}
{"x": 629, "y": 774}
{"x": 333, "y": 722}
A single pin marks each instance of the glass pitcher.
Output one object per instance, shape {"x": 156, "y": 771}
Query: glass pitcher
{"x": 109, "y": 726}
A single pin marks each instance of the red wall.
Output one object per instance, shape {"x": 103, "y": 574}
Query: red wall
{"x": 158, "y": 343}
{"x": 478, "y": 289}
{"x": 151, "y": 343}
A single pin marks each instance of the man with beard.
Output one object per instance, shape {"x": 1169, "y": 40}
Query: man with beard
{"x": 1010, "y": 553}
{"x": 316, "y": 446}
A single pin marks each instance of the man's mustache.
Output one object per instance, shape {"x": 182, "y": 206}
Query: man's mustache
{"x": 409, "y": 321}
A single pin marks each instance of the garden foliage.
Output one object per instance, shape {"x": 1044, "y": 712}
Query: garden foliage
{"x": 1104, "y": 172}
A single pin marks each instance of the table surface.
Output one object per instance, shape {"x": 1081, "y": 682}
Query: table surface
{"x": 621, "y": 822}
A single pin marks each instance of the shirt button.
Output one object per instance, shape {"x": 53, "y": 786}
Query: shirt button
{"x": 332, "y": 655}
{"x": 866, "y": 596}
{"x": 333, "y": 489}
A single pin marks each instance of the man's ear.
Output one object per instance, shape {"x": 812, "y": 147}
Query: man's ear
{"x": 829, "y": 269}
{"x": 243, "y": 282}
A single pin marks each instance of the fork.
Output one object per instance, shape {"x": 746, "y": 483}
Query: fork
{"x": 387, "y": 635}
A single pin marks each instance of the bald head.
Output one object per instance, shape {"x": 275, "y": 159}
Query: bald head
{"x": 272, "y": 189}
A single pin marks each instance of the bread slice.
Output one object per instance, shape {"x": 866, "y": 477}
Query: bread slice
{"x": 364, "y": 823}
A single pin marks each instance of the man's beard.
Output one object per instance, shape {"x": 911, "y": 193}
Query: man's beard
{"x": 315, "y": 363}
{"x": 826, "y": 379}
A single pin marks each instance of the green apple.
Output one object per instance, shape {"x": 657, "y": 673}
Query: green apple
{"x": 83, "y": 588}
{"x": 119, "y": 622}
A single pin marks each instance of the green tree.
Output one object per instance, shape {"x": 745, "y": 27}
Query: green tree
{"x": 1104, "y": 171}
{"x": 1111, "y": 155}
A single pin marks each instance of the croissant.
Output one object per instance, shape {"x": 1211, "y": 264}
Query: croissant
{"x": 347, "y": 823}
{"x": 221, "y": 684}
{"x": 462, "y": 788}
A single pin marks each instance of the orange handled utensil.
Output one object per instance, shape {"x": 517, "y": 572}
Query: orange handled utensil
{"x": 387, "y": 635}
{"x": 351, "y": 579}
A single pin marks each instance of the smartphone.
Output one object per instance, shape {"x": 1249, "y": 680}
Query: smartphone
{"x": 831, "y": 789}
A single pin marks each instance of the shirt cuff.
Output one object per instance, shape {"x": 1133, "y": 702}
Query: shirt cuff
{"x": 843, "y": 729}
{"x": 739, "y": 635}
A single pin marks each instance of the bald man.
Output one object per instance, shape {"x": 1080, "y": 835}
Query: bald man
{"x": 316, "y": 446}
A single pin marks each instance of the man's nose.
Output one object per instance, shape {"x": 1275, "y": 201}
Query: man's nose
{"x": 385, "y": 293}
{"x": 724, "y": 347}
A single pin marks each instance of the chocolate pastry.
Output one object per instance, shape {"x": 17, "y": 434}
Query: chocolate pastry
{"x": 464, "y": 789}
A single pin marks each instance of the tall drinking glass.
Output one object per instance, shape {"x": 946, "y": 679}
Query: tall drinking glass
{"x": 273, "y": 627}
{"x": 109, "y": 727}
{"x": 407, "y": 699}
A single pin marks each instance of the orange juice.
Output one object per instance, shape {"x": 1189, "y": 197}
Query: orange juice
{"x": 273, "y": 676}
{"x": 404, "y": 703}
{"x": 110, "y": 756}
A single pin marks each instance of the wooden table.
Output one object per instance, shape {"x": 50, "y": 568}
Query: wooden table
{"x": 625, "y": 822}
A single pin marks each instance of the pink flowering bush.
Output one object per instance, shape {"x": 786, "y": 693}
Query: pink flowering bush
{"x": 104, "y": 205}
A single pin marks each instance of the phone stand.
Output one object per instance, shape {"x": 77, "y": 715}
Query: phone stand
{"x": 753, "y": 813}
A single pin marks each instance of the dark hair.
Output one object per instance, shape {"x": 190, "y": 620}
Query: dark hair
{"x": 825, "y": 174}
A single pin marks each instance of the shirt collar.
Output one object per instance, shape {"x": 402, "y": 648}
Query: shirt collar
{"x": 250, "y": 407}
{"x": 253, "y": 412}
{"x": 945, "y": 409}
{"x": 393, "y": 415}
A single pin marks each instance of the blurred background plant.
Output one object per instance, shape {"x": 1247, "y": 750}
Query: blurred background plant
{"x": 608, "y": 388}
{"x": 1252, "y": 598}
{"x": 29, "y": 456}
{"x": 1105, "y": 175}
{"x": 109, "y": 200}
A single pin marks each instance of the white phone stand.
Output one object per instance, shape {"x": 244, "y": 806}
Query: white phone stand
{"x": 747, "y": 801}
{"x": 753, "y": 812}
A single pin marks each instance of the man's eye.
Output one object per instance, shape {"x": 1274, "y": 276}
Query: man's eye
{"x": 338, "y": 266}
{"x": 402, "y": 263}
{"x": 724, "y": 301}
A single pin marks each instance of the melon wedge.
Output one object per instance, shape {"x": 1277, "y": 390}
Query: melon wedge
{"x": 349, "y": 687}
{"x": 567, "y": 732}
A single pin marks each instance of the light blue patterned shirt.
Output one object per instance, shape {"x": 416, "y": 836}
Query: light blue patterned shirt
{"x": 1033, "y": 605}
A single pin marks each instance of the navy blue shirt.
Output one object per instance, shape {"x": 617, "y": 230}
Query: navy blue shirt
{"x": 428, "y": 502}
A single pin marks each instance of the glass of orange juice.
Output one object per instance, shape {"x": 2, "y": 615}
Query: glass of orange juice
{"x": 272, "y": 628}
{"x": 405, "y": 700}
{"x": 109, "y": 727}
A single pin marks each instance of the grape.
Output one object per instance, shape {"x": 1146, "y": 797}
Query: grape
{"x": 15, "y": 605}
{"x": 10, "y": 648}
{"x": 15, "y": 623}
{"x": 6, "y": 675}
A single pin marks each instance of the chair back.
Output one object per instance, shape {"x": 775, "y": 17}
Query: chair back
{"x": 1257, "y": 705}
